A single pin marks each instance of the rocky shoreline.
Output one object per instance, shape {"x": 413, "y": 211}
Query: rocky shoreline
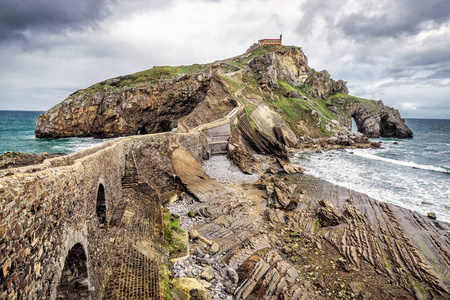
{"x": 334, "y": 244}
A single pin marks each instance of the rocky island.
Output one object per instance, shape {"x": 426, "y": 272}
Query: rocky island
{"x": 200, "y": 201}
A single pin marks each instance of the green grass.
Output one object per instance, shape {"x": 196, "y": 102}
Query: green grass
{"x": 166, "y": 282}
{"x": 285, "y": 87}
{"x": 237, "y": 64}
{"x": 257, "y": 53}
{"x": 252, "y": 85}
{"x": 12, "y": 154}
{"x": 315, "y": 225}
{"x": 419, "y": 288}
{"x": 172, "y": 234}
{"x": 248, "y": 109}
{"x": 293, "y": 110}
{"x": 235, "y": 85}
{"x": 305, "y": 88}
{"x": 152, "y": 76}
{"x": 333, "y": 99}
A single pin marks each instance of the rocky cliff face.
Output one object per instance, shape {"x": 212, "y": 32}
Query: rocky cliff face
{"x": 146, "y": 108}
{"x": 308, "y": 102}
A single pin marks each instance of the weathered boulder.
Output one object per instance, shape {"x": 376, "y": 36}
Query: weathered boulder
{"x": 279, "y": 194}
{"x": 269, "y": 277}
{"x": 242, "y": 158}
{"x": 431, "y": 215}
{"x": 267, "y": 120}
{"x": 214, "y": 248}
{"x": 192, "y": 287}
{"x": 293, "y": 94}
{"x": 234, "y": 277}
{"x": 348, "y": 138}
{"x": 193, "y": 234}
{"x": 260, "y": 141}
{"x": 283, "y": 137}
{"x": 288, "y": 167}
{"x": 207, "y": 273}
{"x": 328, "y": 215}
{"x": 193, "y": 177}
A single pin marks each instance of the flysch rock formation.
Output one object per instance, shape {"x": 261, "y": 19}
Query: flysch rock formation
{"x": 299, "y": 237}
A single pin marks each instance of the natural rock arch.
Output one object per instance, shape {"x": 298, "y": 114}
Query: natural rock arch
{"x": 377, "y": 120}
{"x": 101, "y": 206}
{"x": 74, "y": 281}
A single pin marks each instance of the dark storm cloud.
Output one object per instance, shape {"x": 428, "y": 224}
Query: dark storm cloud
{"x": 372, "y": 19}
{"x": 394, "y": 19}
{"x": 403, "y": 37}
{"x": 17, "y": 18}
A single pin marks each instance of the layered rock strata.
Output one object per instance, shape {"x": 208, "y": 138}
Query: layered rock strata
{"x": 334, "y": 244}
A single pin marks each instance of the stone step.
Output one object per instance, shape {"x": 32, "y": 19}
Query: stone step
{"x": 218, "y": 142}
{"x": 218, "y": 138}
{"x": 219, "y": 152}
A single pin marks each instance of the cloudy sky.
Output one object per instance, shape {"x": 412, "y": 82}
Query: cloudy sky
{"x": 394, "y": 50}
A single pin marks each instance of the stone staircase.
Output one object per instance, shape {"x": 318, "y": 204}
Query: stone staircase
{"x": 217, "y": 138}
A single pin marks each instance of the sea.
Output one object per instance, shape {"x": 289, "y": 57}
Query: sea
{"x": 17, "y": 134}
{"x": 411, "y": 173}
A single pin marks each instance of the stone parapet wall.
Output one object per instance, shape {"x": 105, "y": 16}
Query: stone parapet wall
{"x": 46, "y": 209}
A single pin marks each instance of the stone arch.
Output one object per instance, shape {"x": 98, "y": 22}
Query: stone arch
{"x": 353, "y": 125}
{"x": 74, "y": 280}
{"x": 141, "y": 130}
{"x": 101, "y": 206}
{"x": 78, "y": 237}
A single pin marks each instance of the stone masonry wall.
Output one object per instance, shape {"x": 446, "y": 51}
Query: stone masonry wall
{"x": 46, "y": 209}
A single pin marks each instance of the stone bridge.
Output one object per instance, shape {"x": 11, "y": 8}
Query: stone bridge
{"x": 87, "y": 225}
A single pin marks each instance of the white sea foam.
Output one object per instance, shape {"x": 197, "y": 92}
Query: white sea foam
{"x": 387, "y": 180}
{"x": 368, "y": 155}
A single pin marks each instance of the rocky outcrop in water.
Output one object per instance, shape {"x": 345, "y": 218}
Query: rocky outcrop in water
{"x": 377, "y": 120}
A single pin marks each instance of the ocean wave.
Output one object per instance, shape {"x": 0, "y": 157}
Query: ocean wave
{"x": 368, "y": 155}
{"x": 399, "y": 187}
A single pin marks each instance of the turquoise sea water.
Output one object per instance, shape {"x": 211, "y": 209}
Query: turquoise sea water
{"x": 412, "y": 173}
{"x": 17, "y": 134}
